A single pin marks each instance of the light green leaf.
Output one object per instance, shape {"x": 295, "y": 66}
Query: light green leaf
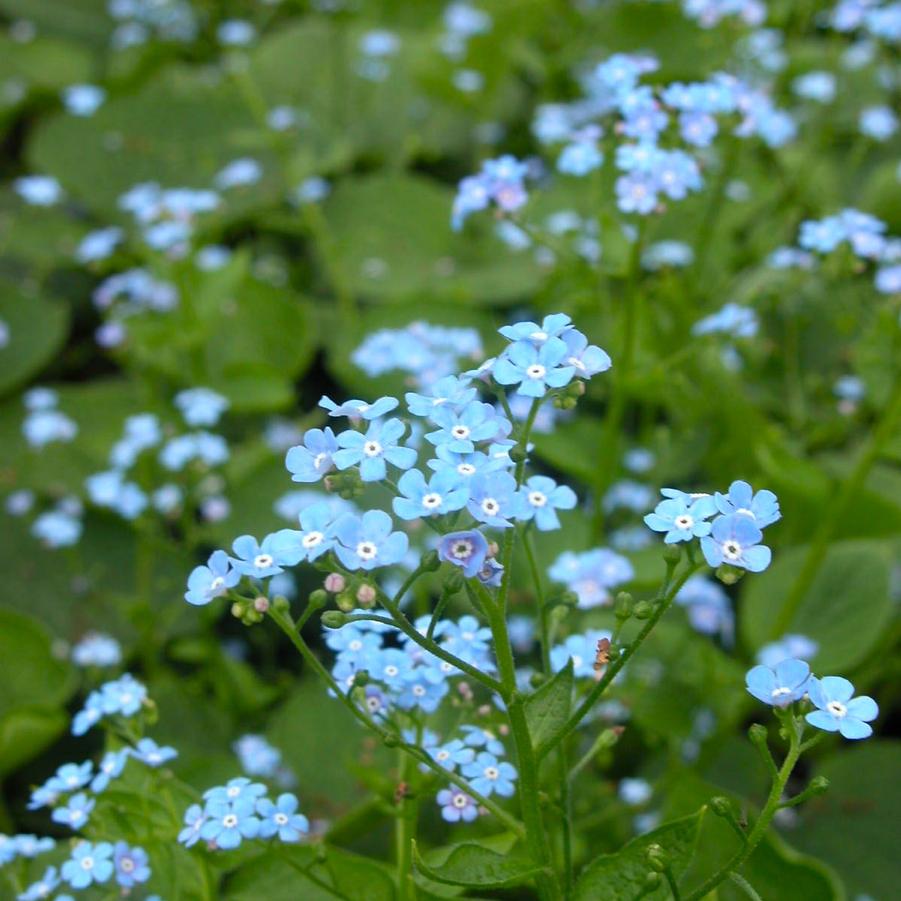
{"x": 621, "y": 876}
{"x": 26, "y": 731}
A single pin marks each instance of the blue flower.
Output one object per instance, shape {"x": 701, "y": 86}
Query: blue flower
{"x": 456, "y": 805}
{"x": 467, "y": 550}
{"x": 310, "y": 461}
{"x": 837, "y": 708}
{"x": 193, "y": 823}
{"x": 359, "y": 409}
{"x": 534, "y": 369}
{"x": 491, "y": 574}
{"x": 762, "y": 507}
{"x": 459, "y": 430}
{"x": 443, "y": 493}
{"x": 579, "y": 158}
{"x": 372, "y": 450}
{"x": 636, "y": 192}
{"x": 282, "y": 819}
{"x": 151, "y": 754}
{"x": 555, "y": 325}
{"x": 489, "y": 776}
{"x": 477, "y": 737}
{"x": 70, "y": 777}
{"x": 449, "y": 391}
{"x": 201, "y": 406}
{"x": 211, "y": 581}
{"x": 467, "y": 465}
{"x": 451, "y": 754}
{"x": 109, "y": 768}
{"x": 75, "y": 812}
{"x": 582, "y": 650}
{"x": 89, "y": 864}
{"x": 132, "y": 865}
{"x": 735, "y": 540}
{"x": 542, "y": 498}
{"x": 228, "y": 823}
{"x": 780, "y": 686}
{"x": 588, "y": 359}
{"x": 423, "y": 690}
{"x": 260, "y": 560}
{"x": 493, "y": 499}
{"x": 592, "y": 574}
{"x": 41, "y": 889}
{"x": 367, "y": 542}
{"x": 799, "y": 646}
{"x": 680, "y": 520}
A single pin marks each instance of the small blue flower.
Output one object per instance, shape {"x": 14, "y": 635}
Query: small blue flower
{"x": 282, "y": 819}
{"x": 424, "y": 690}
{"x": 837, "y": 708}
{"x": 467, "y": 550}
{"x": 542, "y": 498}
{"x": 456, "y": 805}
{"x": 780, "y": 686}
{"x": 493, "y": 499}
{"x": 230, "y": 822}
{"x": 371, "y": 451}
{"x": 89, "y": 864}
{"x": 477, "y": 737}
{"x": 43, "y": 888}
{"x": 489, "y": 776}
{"x": 534, "y": 369}
{"x": 261, "y": 560}
{"x": 152, "y": 754}
{"x": 460, "y": 429}
{"x": 443, "y": 493}
{"x": 554, "y": 325}
{"x": 735, "y": 540}
{"x": 680, "y": 520}
{"x": 359, "y": 409}
{"x": 193, "y": 823}
{"x": 449, "y": 391}
{"x": 211, "y": 581}
{"x": 367, "y": 542}
{"x": 762, "y": 507}
{"x": 75, "y": 812}
{"x": 310, "y": 461}
{"x": 70, "y": 777}
{"x": 451, "y": 754}
{"x": 588, "y": 359}
{"x": 201, "y": 406}
{"x": 132, "y": 865}
{"x": 109, "y": 768}
{"x": 798, "y": 646}
{"x": 491, "y": 574}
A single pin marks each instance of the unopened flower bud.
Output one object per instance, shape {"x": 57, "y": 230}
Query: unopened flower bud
{"x": 361, "y": 678}
{"x": 623, "y": 605}
{"x": 536, "y": 679}
{"x": 366, "y": 594}
{"x": 465, "y": 691}
{"x": 346, "y": 601}
{"x": 484, "y": 710}
{"x": 758, "y": 734}
{"x": 280, "y": 604}
{"x": 518, "y": 454}
{"x": 493, "y": 548}
{"x": 721, "y": 806}
{"x": 657, "y": 858}
{"x": 643, "y": 610}
{"x": 237, "y": 610}
{"x": 317, "y": 599}
{"x": 261, "y": 604}
{"x": 333, "y": 619}
{"x": 391, "y": 741}
{"x": 819, "y": 785}
{"x": 431, "y": 561}
{"x": 672, "y": 553}
{"x": 334, "y": 583}
{"x": 729, "y": 575}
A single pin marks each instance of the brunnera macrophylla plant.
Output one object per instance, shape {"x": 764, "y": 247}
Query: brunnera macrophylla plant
{"x": 444, "y": 493}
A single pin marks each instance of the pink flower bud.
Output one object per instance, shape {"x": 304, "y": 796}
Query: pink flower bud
{"x": 261, "y": 604}
{"x": 334, "y": 582}
{"x": 366, "y": 594}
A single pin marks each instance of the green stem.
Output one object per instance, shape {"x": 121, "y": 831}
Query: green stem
{"x": 745, "y": 886}
{"x": 662, "y": 605}
{"x": 673, "y": 885}
{"x": 763, "y": 821}
{"x": 836, "y": 511}
{"x": 404, "y": 831}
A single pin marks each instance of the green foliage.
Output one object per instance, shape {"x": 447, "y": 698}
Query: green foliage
{"x": 548, "y": 707}
{"x": 474, "y": 866}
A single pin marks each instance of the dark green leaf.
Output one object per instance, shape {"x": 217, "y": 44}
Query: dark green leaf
{"x": 473, "y": 865}
{"x": 548, "y": 707}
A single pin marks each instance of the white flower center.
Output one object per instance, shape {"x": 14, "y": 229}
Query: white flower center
{"x": 577, "y": 661}
{"x": 575, "y": 361}
{"x": 373, "y": 704}
{"x": 536, "y": 371}
{"x": 490, "y": 506}
{"x": 491, "y": 772}
{"x": 355, "y": 645}
{"x": 87, "y": 863}
{"x": 418, "y": 690}
{"x": 460, "y": 432}
{"x": 537, "y": 498}
{"x": 780, "y": 692}
{"x": 312, "y": 539}
{"x": 372, "y": 448}
{"x": 229, "y": 821}
{"x": 732, "y": 550}
{"x": 126, "y": 864}
{"x": 233, "y": 792}
{"x": 466, "y": 469}
{"x": 262, "y": 561}
{"x": 460, "y": 801}
{"x": 442, "y": 755}
{"x": 281, "y": 819}
{"x": 366, "y": 550}
{"x": 391, "y": 670}
{"x": 684, "y": 521}
{"x": 217, "y": 583}
{"x": 462, "y": 549}
{"x": 431, "y": 500}
{"x": 836, "y": 708}
{"x": 319, "y": 460}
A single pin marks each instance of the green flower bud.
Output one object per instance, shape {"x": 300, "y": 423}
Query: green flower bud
{"x": 518, "y": 454}
{"x": 281, "y": 604}
{"x": 657, "y": 858}
{"x": 729, "y": 575}
{"x": 391, "y": 740}
{"x": 346, "y": 601}
{"x": 454, "y": 581}
{"x": 721, "y": 806}
{"x": 758, "y": 734}
{"x": 361, "y": 678}
{"x": 643, "y": 610}
{"x": 333, "y": 619}
{"x": 317, "y": 599}
{"x": 819, "y": 785}
{"x": 624, "y": 605}
{"x": 431, "y": 561}
{"x": 672, "y": 553}
{"x": 537, "y": 679}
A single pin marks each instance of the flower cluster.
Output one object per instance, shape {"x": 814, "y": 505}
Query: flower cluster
{"x": 836, "y": 709}
{"x": 500, "y": 182}
{"x": 729, "y": 525}
{"x": 241, "y": 810}
{"x": 592, "y": 575}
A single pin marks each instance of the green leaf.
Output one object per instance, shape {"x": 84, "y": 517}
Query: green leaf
{"x": 472, "y": 865}
{"x": 26, "y": 731}
{"x": 855, "y": 825}
{"x": 548, "y": 707}
{"x": 845, "y": 610}
{"x": 37, "y": 330}
{"x": 621, "y": 876}
{"x": 565, "y": 449}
